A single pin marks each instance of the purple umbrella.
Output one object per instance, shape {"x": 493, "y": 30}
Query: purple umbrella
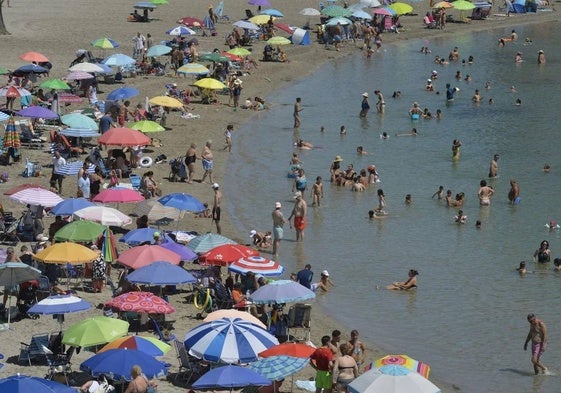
{"x": 185, "y": 253}
{"x": 262, "y": 3}
{"x": 38, "y": 112}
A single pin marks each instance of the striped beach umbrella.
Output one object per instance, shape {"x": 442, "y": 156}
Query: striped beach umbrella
{"x": 72, "y": 168}
{"x": 37, "y": 197}
{"x": 258, "y": 265}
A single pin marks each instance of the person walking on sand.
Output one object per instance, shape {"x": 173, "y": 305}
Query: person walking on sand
{"x": 207, "y": 159}
{"x": 278, "y": 223}
{"x": 538, "y": 336}
{"x": 216, "y": 207}
{"x": 299, "y": 213}
{"x": 228, "y": 136}
{"x": 297, "y": 110}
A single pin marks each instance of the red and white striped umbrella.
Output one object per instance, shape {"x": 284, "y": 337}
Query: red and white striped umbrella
{"x": 14, "y": 92}
{"x": 78, "y": 76}
{"x": 69, "y": 98}
{"x": 257, "y": 265}
{"x": 37, "y": 197}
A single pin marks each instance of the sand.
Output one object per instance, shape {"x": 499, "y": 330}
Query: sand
{"x": 58, "y": 28}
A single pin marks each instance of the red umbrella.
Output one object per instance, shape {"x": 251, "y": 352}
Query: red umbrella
{"x": 69, "y": 98}
{"x": 231, "y": 56}
{"x": 140, "y": 256}
{"x": 226, "y": 254}
{"x": 14, "y": 92}
{"x": 284, "y": 27}
{"x": 15, "y": 189}
{"x": 34, "y": 57}
{"x": 295, "y": 350}
{"x": 190, "y": 21}
{"x": 124, "y": 137}
{"x": 118, "y": 195}
{"x": 141, "y": 302}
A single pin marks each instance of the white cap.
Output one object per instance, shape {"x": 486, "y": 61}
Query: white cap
{"x": 325, "y": 273}
{"x": 278, "y": 205}
{"x": 297, "y": 194}
{"x": 252, "y": 233}
{"x": 215, "y": 186}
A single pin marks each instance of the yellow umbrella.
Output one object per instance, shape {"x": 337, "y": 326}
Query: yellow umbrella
{"x": 443, "y": 4}
{"x": 210, "y": 83}
{"x": 63, "y": 253}
{"x": 278, "y": 41}
{"x": 260, "y": 19}
{"x": 401, "y": 8}
{"x": 169, "y": 102}
{"x": 239, "y": 52}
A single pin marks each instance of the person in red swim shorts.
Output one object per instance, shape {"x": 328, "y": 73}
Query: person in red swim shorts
{"x": 299, "y": 214}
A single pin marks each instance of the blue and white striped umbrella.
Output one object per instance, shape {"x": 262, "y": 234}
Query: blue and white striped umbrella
{"x": 228, "y": 340}
{"x": 275, "y": 368}
{"x": 180, "y": 31}
{"x": 72, "y": 168}
{"x": 3, "y": 116}
{"x": 258, "y": 265}
{"x": 80, "y": 133}
{"x": 60, "y": 304}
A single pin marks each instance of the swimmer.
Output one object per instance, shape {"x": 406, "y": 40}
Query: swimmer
{"x": 487, "y": 85}
{"x": 322, "y": 129}
{"x": 365, "y": 105}
{"x": 518, "y": 102}
{"x": 381, "y": 202}
{"x": 485, "y": 193}
{"x": 460, "y": 218}
{"x": 317, "y": 191}
{"x": 541, "y": 57}
{"x": 412, "y": 133}
{"x": 415, "y": 112}
{"x": 458, "y": 75}
{"x": 343, "y": 130}
{"x": 360, "y": 151}
{"x": 521, "y": 269}
{"x": 546, "y": 168}
{"x": 494, "y": 166}
{"x": 384, "y": 135}
{"x": 408, "y": 199}
{"x": 513, "y": 89}
{"x": 451, "y": 92}
{"x": 557, "y": 265}
{"x": 456, "y": 145}
{"x": 478, "y": 224}
{"x": 518, "y": 58}
{"x": 552, "y": 225}
{"x": 429, "y": 86}
{"x": 491, "y": 101}
{"x": 514, "y": 193}
{"x": 303, "y": 145}
{"x": 476, "y": 97}
{"x": 381, "y": 104}
{"x": 411, "y": 282}
{"x": 467, "y": 78}
{"x": 439, "y": 193}
{"x": 470, "y": 59}
{"x": 438, "y": 115}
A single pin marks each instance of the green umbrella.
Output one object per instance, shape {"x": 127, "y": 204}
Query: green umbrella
{"x": 239, "y": 52}
{"x": 159, "y": 2}
{"x": 401, "y": 8}
{"x": 4, "y": 70}
{"x": 55, "y": 84}
{"x": 146, "y": 126}
{"x": 336, "y": 10}
{"x": 214, "y": 56}
{"x": 278, "y": 40}
{"x": 79, "y": 231}
{"x": 463, "y": 5}
{"x": 105, "y": 43}
{"x": 95, "y": 331}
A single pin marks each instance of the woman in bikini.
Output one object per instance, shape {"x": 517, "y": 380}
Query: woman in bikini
{"x": 485, "y": 193}
{"x": 406, "y": 285}
{"x": 345, "y": 369}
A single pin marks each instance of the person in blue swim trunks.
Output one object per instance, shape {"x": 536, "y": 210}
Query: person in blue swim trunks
{"x": 514, "y": 193}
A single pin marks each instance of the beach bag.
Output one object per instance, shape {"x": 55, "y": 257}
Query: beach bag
{"x": 104, "y": 387}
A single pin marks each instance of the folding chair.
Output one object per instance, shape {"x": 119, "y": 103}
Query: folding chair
{"x": 59, "y": 364}
{"x": 165, "y": 338}
{"x": 34, "y": 349}
{"x": 299, "y": 317}
{"x": 76, "y": 273}
{"x": 135, "y": 181}
{"x": 28, "y": 137}
{"x": 188, "y": 366}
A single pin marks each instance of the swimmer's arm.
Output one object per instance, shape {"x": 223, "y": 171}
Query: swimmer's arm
{"x": 544, "y": 335}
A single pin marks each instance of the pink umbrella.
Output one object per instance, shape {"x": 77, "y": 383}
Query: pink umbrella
{"x": 124, "y": 137}
{"x": 225, "y": 254}
{"x": 118, "y": 195}
{"x": 141, "y": 302}
{"x": 78, "y": 76}
{"x": 69, "y": 98}
{"x": 383, "y": 11}
{"x": 104, "y": 215}
{"x": 34, "y": 57}
{"x": 37, "y": 197}
{"x": 140, "y": 256}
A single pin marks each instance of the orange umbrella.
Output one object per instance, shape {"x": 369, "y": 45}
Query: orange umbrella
{"x": 34, "y": 57}
{"x": 124, "y": 137}
{"x": 295, "y": 350}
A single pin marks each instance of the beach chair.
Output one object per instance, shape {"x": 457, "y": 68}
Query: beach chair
{"x": 135, "y": 181}
{"x": 28, "y": 137}
{"x": 299, "y": 317}
{"x": 167, "y": 338}
{"x": 34, "y": 350}
{"x": 43, "y": 288}
{"x": 188, "y": 367}
{"x": 59, "y": 364}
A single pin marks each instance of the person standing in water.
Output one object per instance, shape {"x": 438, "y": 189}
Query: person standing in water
{"x": 365, "y": 105}
{"x": 538, "y": 336}
{"x": 494, "y": 166}
{"x": 297, "y": 110}
{"x": 514, "y": 193}
{"x": 456, "y": 149}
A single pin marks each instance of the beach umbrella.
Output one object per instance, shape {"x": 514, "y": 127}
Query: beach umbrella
{"x": 116, "y": 364}
{"x": 384, "y": 11}
{"x": 341, "y": 20}
{"x": 278, "y": 41}
{"x": 310, "y": 12}
{"x": 109, "y": 246}
{"x": 182, "y": 201}
{"x": 336, "y": 10}
{"x": 281, "y": 291}
{"x": 60, "y": 304}
{"x": 156, "y": 211}
{"x": 403, "y": 361}
{"x": 276, "y": 368}
{"x": 180, "y": 31}
{"x": 86, "y": 67}
{"x": 122, "y": 136}
{"x": 225, "y": 254}
{"x": 228, "y": 340}
{"x": 118, "y": 60}
{"x": 357, "y": 7}
{"x": 72, "y": 168}
{"x": 258, "y": 265}
{"x": 105, "y": 43}
{"x": 104, "y": 215}
{"x": 69, "y": 206}
{"x": 243, "y": 24}
{"x": 95, "y": 331}
{"x": 138, "y": 236}
{"x": 140, "y": 302}
{"x": 165, "y": 101}
{"x": 360, "y": 14}
{"x": 15, "y": 189}
{"x": 13, "y": 273}
{"x": 210, "y": 83}
{"x": 147, "y": 126}
{"x": 392, "y": 379}
{"x": 190, "y": 21}
{"x": 81, "y": 231}
{"x": 158, "y": 50}
{"x": 122, "y": 93}
{"x": 24, "y": 384}
{"x": 11, "y": 135}
{"x": 56, "y": 84}
{"x": 214, "y": 57}
{"x": 443, "y": 4}
{"x": 233, "y": 313}
{"x": 79, "y": 120}
{"x": 292, "y": 349}
{"x": 118, "y": 195}
{"x": 229, "y": 377}
{"x": 401, "y": 8}
{"x": 463, "y": 5}
{"x": 272, "y": 12}
{"x": 30, "y": 69}
{"x": 193, "y": 68}
{"x": 239, "y": 51}
{"x": 149, "y": 345}
{"x": 14, "y": 92}
{"x": 260, "y": 3}
{"x": 78, "y": 76}
{"x": 63, "y": 253}
{"x": 185, "y": 253}
{"x": 145, "y": 5}
{"x": 37, "y": 112}
{"x": 207, "y": 242}
{"x": 370, "y": 3}
{"x": 36, "y": 197}
{"x": 140, "y": 256}
{"x": 4, "y": 70}
{"x": 4, "y": 116}
{"x": 284, "y": 27}
{"x": 161, "y": 273}
{"x": 260, "y": 19}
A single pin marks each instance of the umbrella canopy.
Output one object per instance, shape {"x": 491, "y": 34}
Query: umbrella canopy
{"x": 403, "y": 361}
{"x": 360, "y": 14}
{"x": 4, "y": 116}
{"x": 193, "y": 69}
{"x": 14, "y": 92}
{"x": 11, "y": 135}
{"x": 285, "y": 27}
{"x": 104, "y": 215}
{"x": 147, "y": 126}
{"x": 233, "y": 313}
{"x": 169, "y": 102}
{"x": 272, "y": 12}
{"x": 139, "y": 236}
{"x": 140, "y": 302}
{"x": 161, "y": 273}
{"x": 401, "y": 8}
{"x": 210, "y": 83}
{"x": 34, "y": 57}
{"x": 140, "y": 256}
{"x": 182, "y": 201}
{"x": 37, "y": 111}
{"x": 12, "y": 273}
{"x": 185, "y": 253}
{"x": 149, "y": 345}
{"x": 156, "y": 211}
{"x": 4, "y": 70}
{"x": 86, "y": 67}
{"x": 69, "y": 98}
{"x": 190, "y": 21}
{"x": 262, "y": 3}
{"x": 310, "y": 12}
{"x": 258, "y": 265}
{"x": 105, "y": 43}
{"x": 281, "y": 291}
{"x": 78, "y": 76}
{"x": 228, "y": 340}
{"x": 63, "y": 253}
{"x": 15, "y": 189}
{"x": 370, "y": 3}
{"x": 145, "y": 5}
{"x": 36, "y": 197}
{"x": 118, "y": 195}
{"x": 226, "y": 254}
{"x": 275, "y": 368}
{"x": 180, "y": 31}
{"x": 118, "y": 60}
{"x": 95, "y": 331}
{"x": 80, "y": 133}
{"x": 384, "y": 11}
{"x": 78, "y": 120}
{"x": 239, "y": 51}
{"x": 463, "y": 5}
{"x": 122, "y": 93}
{"x": 122, "y": 136}
{"x": 341, "y": 20}
{"x": 24, "y": 383}
{"x": 30, "y": 69}
{"x": 229, "y": 377}
{"x": 60, "y": 304}
{"x": 279, "y": 41}
{"x": 260, "y": 19}
{"x": 117, "y": 363}
{"x": 214, "y": 57}
{"x": 158, "y": 50}
{"x": 295, "y": 350}
{"x": 443, "y": 4}
{"x": 207, "y": 242}
{"x": 56, "y": 84}
{"x": 72, "y": 168}
{"x": 243, "y": 24}
{"x": 81, "y": 231}
{"x": 392, "y": 379}
{"x": 336, "y": 10}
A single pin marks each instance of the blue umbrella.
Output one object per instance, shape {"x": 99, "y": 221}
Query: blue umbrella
{"x": 276, "y": 368}
{"x": 281, "y": 291}
{"x": 122, "y": 93}
{"x": 118, "y": 60}
{"x": 80, "y": 133}
{"x": 182, "y": 201}
{"x": 185, "y": 253}
{"x": 158, "y": 50}
{"x": 4, "y": 116}
{"x": 106, "y": 68}
{"x": 25, "y": 384}
{"x": 161, "y": 273}
{"x": 117, "y": 363}
{"x": 38, "y": 112}
{"x": 69, "y": 206}
{"x": 229, "y": 340}
{"x": 30, "y": 69}
{"x": 139, "y": 236}
{"x": 180, "y": 30}
{"x": 272, "y": 12}
{"x": 144, "y": 4}
{"x": 230, "y": 377}
{"x": 60, "y": 304}
{"x": 207, "y": 242}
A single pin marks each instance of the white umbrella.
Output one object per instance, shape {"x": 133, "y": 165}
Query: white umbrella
{"x": 104, "y": 215}
{"x": 86, "y": 67}
{"x": 392, "y": 379}
{"x": 243, "y": 24}
{"x": 78, "y": 76}
{"x": 310, "y": 12}
{"x": 370, "y": 3}
{"x": 37, "y": 197}
{"x": 13, "y": 273}
{"x": 156, "y": 211}
{"x": 339, "y": 20}
{"x": 360, "y": 14}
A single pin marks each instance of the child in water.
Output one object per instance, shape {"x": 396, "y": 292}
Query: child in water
{"x": 317, "y": 191}
{"x": 381, "y": 202}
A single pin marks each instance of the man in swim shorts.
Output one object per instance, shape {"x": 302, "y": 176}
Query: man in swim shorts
{"x": 322, "y": 361}
{"x": 538, "y": 336}
{"x": 297, "y": 110}
{"x": 216, "y": 207}
{"x": 278, "y": 222}
{"x": 494, "y": 166}
{"x": 299, "y": 214}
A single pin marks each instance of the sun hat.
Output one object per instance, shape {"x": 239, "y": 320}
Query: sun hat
{"x": 540, "y": 51}
{"x": 325, "y": 273}
{"x": 365, "y": 94}
{"x": 278, "y": 205}
{"x": 252, "y": 233}
{"x": 238, "y": 82}
{"x": 338, "y": 159}
{"x": 215, "y": 186}
{"x": 174, "y": 84}
{"x": 297, "y": 194}
{"x": 429, "y": 80}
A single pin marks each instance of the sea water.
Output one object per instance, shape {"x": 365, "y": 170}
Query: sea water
{"x": 467, "y": 319}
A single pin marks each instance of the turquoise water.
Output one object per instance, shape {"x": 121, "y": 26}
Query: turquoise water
{"x": 467, "y": 319}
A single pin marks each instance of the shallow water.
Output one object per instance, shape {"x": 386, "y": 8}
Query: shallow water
{"x": 468, "y": 317}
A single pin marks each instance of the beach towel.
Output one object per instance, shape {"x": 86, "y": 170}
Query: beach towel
{"x": 307, "y": 385}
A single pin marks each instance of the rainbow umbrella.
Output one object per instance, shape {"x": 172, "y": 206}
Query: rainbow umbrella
{"x": 109, "y": 246}
{"x": 11, "y": 136}
{"x": 149, "y": 345}
{"x": 404, "y": 361}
